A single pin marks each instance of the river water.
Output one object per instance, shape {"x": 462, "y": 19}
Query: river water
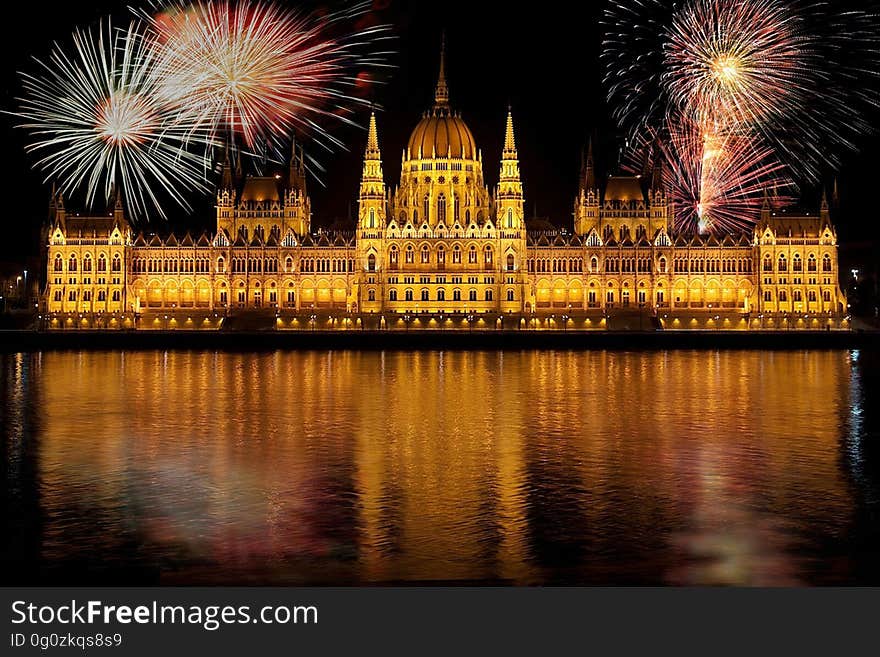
{"x": 678, "y": 468}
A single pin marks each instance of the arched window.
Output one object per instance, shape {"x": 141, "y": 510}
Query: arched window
{"x": 467, "y": 216}
{"x": 662, "y": 265}
{"x": 441, "y": 209}
{"x": 812, "y": 265}
{"x": 117, "y": 263}
{"x": 783, "y": 263}
{"x": 456, "y": 295}
{"x": 102, "y": 262}
{"x": 441, "y": 294}
{"x": 59, "y": 263}
{"x": 594, "y": 264}
{"x": 410, "y": 255}
{"x": 426, "y": 295}
{"x": 768, "y": 263}
{"x": 426, "y": 255}
{"x": 71, "y": 264}
{"x": 288, "y": 264}
{"x": 456, "y": 254}
{"x": 427, "y": 206}
{"x": 408, "y": 295}
{"x": 441, "y": 256}
{"x": 371, "y": 295}
{"x": 87, "y": 263}
{"x": 221, "y": 265}
{"x": 488, "y": 255}
{"x": 510, "y": 217}
{"x": 488, "y": 295}
{"x": 372, "y": 218}
{"x": 472, "y": 255}
{"x": 826, "y": 263}
{"x": 456, "y": 209}
{"x": 510, "y": 295}
{"x": 510, "y": 262}
{"x": 797, "y": 263}
{"x": 392, "y": 296}
{"x": 393, "y": 257}
{"x": 472, "y": 295}
{"x": 371, "y": 262}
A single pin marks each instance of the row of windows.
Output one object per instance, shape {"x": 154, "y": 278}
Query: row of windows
{"x": 575, "y": 265}
{"x": 338, "y": 265}
{"x": 409, "y": 295}
{"x": 797, "y": 296}
{"x": 712, "y": 265}
{"x": 72, "y": 263}
{"x": 409, "y": 256}
{"x": 87, "y": 295}
{"x": 632, "y": 265}
{"x": 170, "y": 265}
{"x": 797, "y": 264}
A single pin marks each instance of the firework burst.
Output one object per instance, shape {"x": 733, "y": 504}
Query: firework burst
{"x": 717, "y": 181}
{"x": 737, "y": 63}
{"x": 795, "y": 79}
{"x": 252, "y": 71}
{"x": 96, "y": 123}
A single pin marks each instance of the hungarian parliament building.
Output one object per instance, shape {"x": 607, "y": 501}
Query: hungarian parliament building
{"x": 441, "y": 249}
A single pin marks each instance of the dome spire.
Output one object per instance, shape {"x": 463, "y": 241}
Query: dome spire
{"x": 441, "y": 94}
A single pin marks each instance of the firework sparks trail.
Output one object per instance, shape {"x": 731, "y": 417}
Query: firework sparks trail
{"x": 97, "y": 124}
{"x": 715, "y": 180}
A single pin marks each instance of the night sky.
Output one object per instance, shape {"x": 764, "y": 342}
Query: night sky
{"x": 542, "y": 60}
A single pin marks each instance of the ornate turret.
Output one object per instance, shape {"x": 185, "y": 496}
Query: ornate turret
{"x": 371, "y": 211}
{"x": 297, "y": 205}
{"x": 586, "y": 205}
{"x": 509, "y": 194}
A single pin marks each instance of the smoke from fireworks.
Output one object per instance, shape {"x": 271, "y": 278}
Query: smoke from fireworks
{"x": 96, "y": 123}
{"x": 795, "y": 78}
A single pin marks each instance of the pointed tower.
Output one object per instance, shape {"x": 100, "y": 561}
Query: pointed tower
{"x": 511, "y": 223}
{"x": 662, "y": 210}
{"x": 509, "y": 207}
{"x": 371, "y": 201}
{"x": 225, "y": 194}
{"x": 372, "y": 204}
{"x": 586, "y": 205}
{"x": 441, "y": 92}
{"x": 297, "y": 204}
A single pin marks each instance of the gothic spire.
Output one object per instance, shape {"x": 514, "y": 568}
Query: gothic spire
{"x": 509, "y": 138}
{"x": 441, "y": 94}
{"x": 373, "y": 139}
{"x": 226, "y": 181}
{"x": 590, "y": 169}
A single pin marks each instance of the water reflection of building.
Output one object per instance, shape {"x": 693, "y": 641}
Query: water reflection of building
{"x": 440, "y": 247}
{"x": 382, "y": 467}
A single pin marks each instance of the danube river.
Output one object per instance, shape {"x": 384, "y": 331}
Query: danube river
{"x": 678, "y": 468}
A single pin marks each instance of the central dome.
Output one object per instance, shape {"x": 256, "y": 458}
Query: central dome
{"x": 441, "y": 134}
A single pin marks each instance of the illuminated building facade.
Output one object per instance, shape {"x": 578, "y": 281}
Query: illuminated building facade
{"x": 442, "y": 249}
